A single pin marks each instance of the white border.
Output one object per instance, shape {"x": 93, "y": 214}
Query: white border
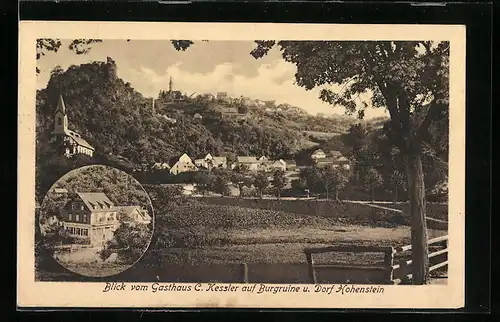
{"x": 65, "y": 294}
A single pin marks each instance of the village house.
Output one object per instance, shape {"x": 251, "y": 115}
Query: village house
{"x": 168, "y": 119}
{"x": 245, "y": 101}
{"x": 93, "y": 217}
{"x": 230, "y": 111}
{"x": 291, "y": 165}
{"x": 221, "y": 95}
{"x": 160, "y": 166}
{"x": 279, "y": 165}
{"x": 263, "y": 158}
{"x": 73, "y": 142}
{"x": 248, "y": 161}
{"x": 318, "y": 154}
{"x": 184, "y": 164}
{"x": 133, "y": 214}
{"x": 335, "y": 159}
{"x": 210, "y": 162}
{"x": 197, "y": 116}
{"x": 60, "y": 191}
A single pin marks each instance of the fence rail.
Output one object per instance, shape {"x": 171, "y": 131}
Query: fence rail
{"x": 387, "y": 251}
{"x": 395, "y": 273}
{"x": 438, "y": 242}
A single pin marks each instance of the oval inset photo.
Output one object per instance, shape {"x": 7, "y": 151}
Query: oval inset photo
{"x": 96, "y": 221}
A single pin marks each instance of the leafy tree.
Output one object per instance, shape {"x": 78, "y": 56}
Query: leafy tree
{"x": 241, "y": 180}
{"x": 397, "y": 181}
{"x": 261, "y": 182}
{"x": 221, "y": 185}
{"x": 55, "y": 235}
{"x": 298, "y": 184}
{"x": 231, "y": 159}
{"x": 130, "y": 241}
{"x": 312, "y": 179}
{"x": 408, "y": 78}
{"x": 204, "y": 180}
{"x": 333, "y": 179}
{"x": 356, "y": 138}
{"x": 373, "y": 180}
{"x": 242, "y": 109}
{"x": 279, "y": 181}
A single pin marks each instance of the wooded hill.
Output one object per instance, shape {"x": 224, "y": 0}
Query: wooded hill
{"x": 117, "y": 120}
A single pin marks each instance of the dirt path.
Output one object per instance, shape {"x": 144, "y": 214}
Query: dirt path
{"x": 332, "y": 234}
{"x": 366, "y": 203}
{"x": 83, "y": 255}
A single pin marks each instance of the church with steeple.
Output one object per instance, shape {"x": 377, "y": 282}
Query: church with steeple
{"x": 73, "y": 141}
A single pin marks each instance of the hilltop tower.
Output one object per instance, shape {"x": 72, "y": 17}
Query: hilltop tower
{"x": 60, "y": 118}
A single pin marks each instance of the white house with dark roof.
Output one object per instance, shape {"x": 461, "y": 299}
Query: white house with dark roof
{"x": 250, "y": 162}
{"x": 93, "y": 217}
{"x": 184, "y": 164}
{"x": 134, "y": 214}
{"x": 318, "y": 154}
{"x": 335, "y": 159}
{"x": 73, "y": 142}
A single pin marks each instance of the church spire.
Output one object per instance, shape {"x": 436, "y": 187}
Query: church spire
{"x": 60, "y": 117}
{"x": 61, "y": 106}
{"x": 170, "y": 85}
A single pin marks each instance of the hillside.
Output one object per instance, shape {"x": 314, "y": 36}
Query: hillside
{"x": 119, "y": 121}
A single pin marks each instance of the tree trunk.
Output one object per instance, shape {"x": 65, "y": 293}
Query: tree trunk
{"x": 396, "y": 195}
{"x": 326, "y": 193}
{"x": 416, "y": 191}
{"x": 373, "y": 194}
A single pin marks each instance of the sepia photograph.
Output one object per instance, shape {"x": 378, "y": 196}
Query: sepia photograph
{"x": 268, "y": 162}
{"x": 94, "y": 221}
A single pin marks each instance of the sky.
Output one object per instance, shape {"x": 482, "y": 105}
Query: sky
{"x": 205, "y": 67}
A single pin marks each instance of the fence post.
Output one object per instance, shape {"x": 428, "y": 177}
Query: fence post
{"x": 312, "y": 271}
{"x": 389, "y": 262}
{"x": 244, "y": 272}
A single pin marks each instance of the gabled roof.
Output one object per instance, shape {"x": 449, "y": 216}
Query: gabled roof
{"x": 332, "y": 160}
{"x": 219, "y": 159}
{"x": 129, "y": 210}
{"x": 318, "y": 151}
{"x": 161, "y": 165}
{"x": 246, "y": 159}
{"x": 79, "y": 140}
{"x": 335, "y": 154}
{"x": 290, "y": 162}
{"x": 96, "y": 201}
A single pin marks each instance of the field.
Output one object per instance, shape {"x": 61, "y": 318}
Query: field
{"x": 207, "y": 239}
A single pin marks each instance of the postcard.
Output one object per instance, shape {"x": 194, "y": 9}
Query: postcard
{"x": 240, "y": 165}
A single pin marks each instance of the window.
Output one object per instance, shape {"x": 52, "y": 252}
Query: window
{"x": 70, "y": 216}
{"x": 77, "y": 232}
{"x": 59, "y": 121}
{"x": 85, "y": 218}
{"x": 77, "y": 217}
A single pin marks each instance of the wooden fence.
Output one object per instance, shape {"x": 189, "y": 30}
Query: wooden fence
{"x": 388, "y": 271}
{"x": 380, "y": 272}
{"x": 438, "y": 258}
